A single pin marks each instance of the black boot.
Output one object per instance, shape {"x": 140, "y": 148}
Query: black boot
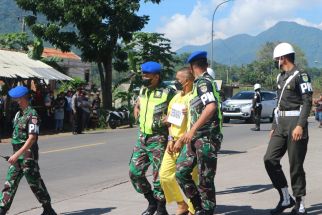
{"x": 152, "y": 208}
{"x": 280, "y": 208}
{"x": 255, "y": 129}
{"x": 208, "y": 212}
{"x": 296, "y": 210}
{"x": 3, "y": 211}
{"x": 161, "y": 209}
{"x": 48, "y": 210}
{"x": 196, "y": 202}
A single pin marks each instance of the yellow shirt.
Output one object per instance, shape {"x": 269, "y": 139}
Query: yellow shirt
{"x": 177, "y": 131}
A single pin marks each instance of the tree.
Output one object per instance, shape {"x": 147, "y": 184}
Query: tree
{"x": 263, "y": 71}
{"x": 150, "y": 47}
{"x": 15, "y": 41}
{"x": 94, "y": 27}
{"x": 142, "y": 48}
{"x": 36, "y": 49}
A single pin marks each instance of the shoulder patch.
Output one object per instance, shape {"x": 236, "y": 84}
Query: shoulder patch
{"x": 158, "y": 94}
{"x": 34, "y": 120}
{"x": 305, "y": 77}
{"x": 203, "y": 88}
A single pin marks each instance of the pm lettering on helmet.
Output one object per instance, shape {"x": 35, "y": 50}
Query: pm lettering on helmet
{"x": 306, "y": 87}
{"x": 207, "y": 98}
{"x": 33, "y": 129}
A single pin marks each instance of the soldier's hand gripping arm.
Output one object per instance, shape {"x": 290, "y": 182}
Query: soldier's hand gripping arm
{"x": 205, "y": 92}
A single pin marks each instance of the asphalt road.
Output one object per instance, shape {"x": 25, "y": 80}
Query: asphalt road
{"x": 75, "y": 165}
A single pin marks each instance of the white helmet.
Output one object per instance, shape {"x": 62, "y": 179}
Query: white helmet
{"x": 257, "y": 86}
{"x": 283, "y": 49}
{"x": 211, "y": 72}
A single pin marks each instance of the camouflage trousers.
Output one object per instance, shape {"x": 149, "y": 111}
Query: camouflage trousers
{"x": 203, "y": 153}
{"x": 148, "y": 150}
{"x": 29, "y": 168}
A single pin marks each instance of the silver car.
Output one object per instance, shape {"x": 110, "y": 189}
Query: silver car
{"x": 240, "y": 106}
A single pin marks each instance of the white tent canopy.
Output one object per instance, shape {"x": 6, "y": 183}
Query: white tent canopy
{"x": 19, "y": 65}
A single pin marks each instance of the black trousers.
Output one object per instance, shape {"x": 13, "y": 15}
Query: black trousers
{"x": 77, "y": 121}
{"x": 280, "y": 143}
{"x": 257, "y": 115}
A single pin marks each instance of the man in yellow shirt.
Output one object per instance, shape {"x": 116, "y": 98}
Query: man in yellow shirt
{"x": 177, "y": 117}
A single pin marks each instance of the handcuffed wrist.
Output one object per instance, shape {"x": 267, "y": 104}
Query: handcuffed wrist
{"x": 170, "y": 138}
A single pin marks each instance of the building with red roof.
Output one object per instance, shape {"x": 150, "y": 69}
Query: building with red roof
{"x": 71, "y": 63}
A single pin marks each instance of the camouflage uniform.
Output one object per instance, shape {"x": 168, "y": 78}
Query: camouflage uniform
{"x": 152, "y": 140}
{"x": 204, "y": 146}
{"x": 148, "y": 150}
{"x": 25, "y": 123}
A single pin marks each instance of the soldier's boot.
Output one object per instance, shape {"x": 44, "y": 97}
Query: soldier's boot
{"x": 152, "y": 208}
{"x": 299, "y": 208}
{"x": 255, "y": 129}
{"x": 204, "y": 212}
{"x": 48, "y": 210}
{"x": 196, "y": 202}
{"x": 161, "y": 208}
{"x": 3, "y": 211}
{"x": 286, "y": 201}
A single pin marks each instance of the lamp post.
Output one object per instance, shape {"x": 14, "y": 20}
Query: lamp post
{"x": 212, "y": 30}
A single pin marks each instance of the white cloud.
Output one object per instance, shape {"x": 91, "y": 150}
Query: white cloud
{"x": 193, "y": 29}
{"x": 244, "y": 16}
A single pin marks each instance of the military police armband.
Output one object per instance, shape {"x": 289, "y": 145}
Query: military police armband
{"x": 207, "y": 98}
{"x": 305, "y": 83}
{"x": 33, "y": 127}
{"x": 205, "y": 92}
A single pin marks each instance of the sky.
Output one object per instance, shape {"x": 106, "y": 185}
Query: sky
{"x": 188, "y": 22}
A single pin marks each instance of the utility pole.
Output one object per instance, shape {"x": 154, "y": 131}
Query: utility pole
{"x": 212, "y": 31}
{"x": 21, "y": 19}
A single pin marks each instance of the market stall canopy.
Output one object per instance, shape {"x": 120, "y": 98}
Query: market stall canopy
{"x": 19, "y": 65}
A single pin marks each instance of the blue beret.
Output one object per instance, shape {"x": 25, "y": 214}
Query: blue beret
{"x": 197, "y": 55}
{"x": 151, "y": 67}
{"x": 18, "y": 92}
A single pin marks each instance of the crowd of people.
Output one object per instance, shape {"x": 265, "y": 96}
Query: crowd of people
{"x": 78, "y": 110}
{"x": 67, "y": 111}
{"x": 83, "y": 108}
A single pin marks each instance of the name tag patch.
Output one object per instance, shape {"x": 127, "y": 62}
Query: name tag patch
{"x": 176, "y": 114}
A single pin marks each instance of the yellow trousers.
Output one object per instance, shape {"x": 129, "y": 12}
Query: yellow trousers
{"x": 169, "y": 184}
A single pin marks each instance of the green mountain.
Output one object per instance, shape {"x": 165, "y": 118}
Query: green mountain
{"x": 236, "y": 50}
{"x": 9, "y": 16}
{"x": 241, "y": 49}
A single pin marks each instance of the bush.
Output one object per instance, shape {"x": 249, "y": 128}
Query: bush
{"x": 71, "y": 85}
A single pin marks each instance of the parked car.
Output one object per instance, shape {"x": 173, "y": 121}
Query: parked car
{"x": 240, "y": 106}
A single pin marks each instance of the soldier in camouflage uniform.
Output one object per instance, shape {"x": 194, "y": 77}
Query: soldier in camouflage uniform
{"x": 203, "y": 139}
{"x": 24, "y": 161}
{"x": 151, "y": 107}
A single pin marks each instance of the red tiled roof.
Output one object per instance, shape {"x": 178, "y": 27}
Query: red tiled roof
{"x": 51, "y": 52}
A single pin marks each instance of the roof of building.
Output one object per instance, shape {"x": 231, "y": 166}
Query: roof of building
{"x": 19, "y": 65}
{"x": 51, "y": 52}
